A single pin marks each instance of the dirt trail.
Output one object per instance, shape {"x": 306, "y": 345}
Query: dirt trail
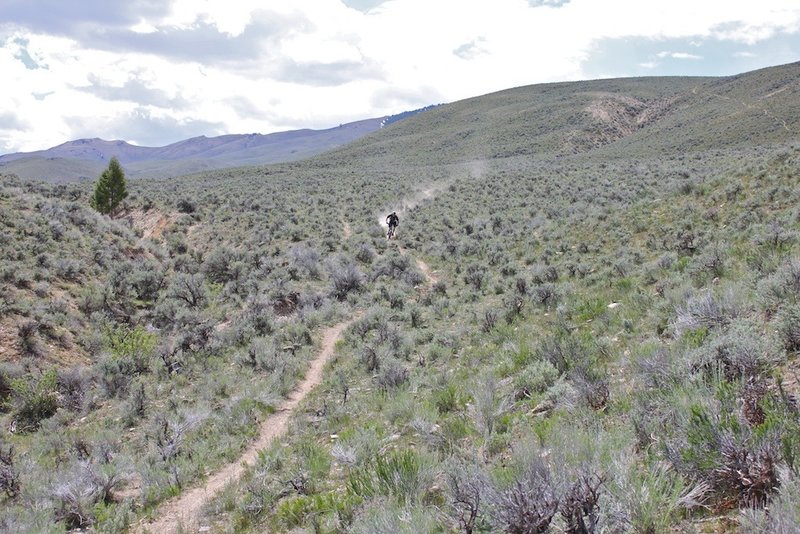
{"x": 426, "y": 270}
{"x": 404, "y": 207}
{"x": 183, "y": 511}
{"x": 430, "y": 274}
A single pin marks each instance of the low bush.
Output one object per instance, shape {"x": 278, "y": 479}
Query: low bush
{"x": 528, "y": 504}
{"x": 35, "y": 399}
{"x": 789, "y": 327}
{"x": 345, "y": 277}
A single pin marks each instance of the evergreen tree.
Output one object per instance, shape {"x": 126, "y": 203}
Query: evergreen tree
{"x": 111, "y": 188}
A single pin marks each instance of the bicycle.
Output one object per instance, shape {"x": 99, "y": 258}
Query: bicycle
{"x": 390, "y": 233}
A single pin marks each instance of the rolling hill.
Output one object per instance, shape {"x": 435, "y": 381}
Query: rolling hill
{"x": 641, "y": 116}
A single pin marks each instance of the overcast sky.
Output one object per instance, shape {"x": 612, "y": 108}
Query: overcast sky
{"x": 153, "y": 72}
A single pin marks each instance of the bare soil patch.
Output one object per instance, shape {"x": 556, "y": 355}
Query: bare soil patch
{"x": 151, "y": 223}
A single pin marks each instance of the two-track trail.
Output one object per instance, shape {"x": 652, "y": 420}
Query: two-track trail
{"x": 184, "y": 510}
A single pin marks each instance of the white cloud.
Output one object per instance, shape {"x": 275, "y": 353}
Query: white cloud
{"x": 262, "y": 66}
{"x": 678, "y": 55}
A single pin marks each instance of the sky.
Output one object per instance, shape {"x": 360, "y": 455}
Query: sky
{"x": 154, "y": 72}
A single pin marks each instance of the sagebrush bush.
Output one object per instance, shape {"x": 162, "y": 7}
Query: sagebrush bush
{"x": 468, "y": 487}
{"x": 789, "y": 327}
{"x": 528, "y": 504}
{"x": 741, "y": 351}
{"x": 9, "y": 471}
{"x": 345, "y": 278}
{"x": 706, "y": 310}
{"x": 535, "y": 378}
{"x": 35, "y": 399}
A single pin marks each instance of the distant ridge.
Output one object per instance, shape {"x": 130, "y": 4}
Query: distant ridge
{"x": 615, "y": 117}
{"x": 86, "y": 158}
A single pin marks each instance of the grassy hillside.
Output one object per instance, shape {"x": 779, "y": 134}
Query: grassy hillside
{"x": 645, "y": 117}
{"x": 609, "y": 342}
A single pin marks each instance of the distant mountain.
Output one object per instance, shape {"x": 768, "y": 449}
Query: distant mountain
{"x": 86, "y": 158}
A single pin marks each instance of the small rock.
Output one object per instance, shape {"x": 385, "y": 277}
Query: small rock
{"x": 613, "y": 305}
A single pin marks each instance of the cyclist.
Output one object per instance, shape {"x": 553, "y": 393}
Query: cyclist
{"x": 392, "y": 220}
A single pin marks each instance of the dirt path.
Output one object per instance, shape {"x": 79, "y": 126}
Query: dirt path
{"x": 430, "y": 274}
{"x": 426, "y": 270}
{"x": 402, "y": 209}
{"x": 183, "y": 511}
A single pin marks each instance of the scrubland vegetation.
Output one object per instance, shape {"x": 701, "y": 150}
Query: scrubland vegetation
{"x": 609, "y": 345}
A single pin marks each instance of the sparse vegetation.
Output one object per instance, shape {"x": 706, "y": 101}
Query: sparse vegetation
{"x": 609, "y": 343}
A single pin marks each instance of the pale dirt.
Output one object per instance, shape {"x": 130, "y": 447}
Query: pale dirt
{"x": 430, "y": 275}
{"x": 8, "y": 342}
{"x": 183, "y": 511}
{"x": 405, "y": 206}
{"x": 151, "y": 223}
{"x": 426, "y": 270}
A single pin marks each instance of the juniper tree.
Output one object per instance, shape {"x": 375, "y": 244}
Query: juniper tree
{"x": 111, "y": 188}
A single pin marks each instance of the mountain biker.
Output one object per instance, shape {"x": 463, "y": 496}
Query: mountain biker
{"x": 392, "y": 220}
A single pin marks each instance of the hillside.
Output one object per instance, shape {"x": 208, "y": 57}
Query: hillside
{"x": 640, "y": 116}
{"x": 589, "y": 322}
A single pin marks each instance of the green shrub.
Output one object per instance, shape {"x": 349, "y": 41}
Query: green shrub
{"x": 35, "y": 400}
{"x": 449, "y": 398}
{"x": 789, "y": 327}
{"x": 403, "y": 474}
{"x": 536, "y": 377}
